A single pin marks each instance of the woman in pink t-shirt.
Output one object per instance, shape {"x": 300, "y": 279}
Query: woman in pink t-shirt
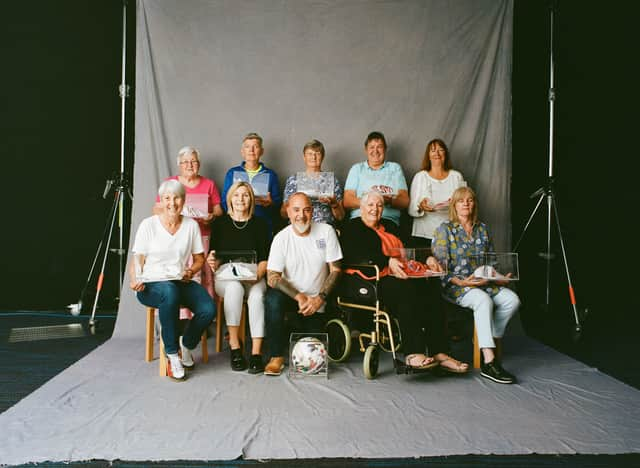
{"x": 202, "y": 204}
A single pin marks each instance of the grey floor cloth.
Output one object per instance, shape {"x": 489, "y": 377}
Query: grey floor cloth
{"x": 112, "y": 405}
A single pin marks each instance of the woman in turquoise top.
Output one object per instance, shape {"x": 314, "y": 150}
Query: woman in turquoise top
{"x": 456, "y": 242}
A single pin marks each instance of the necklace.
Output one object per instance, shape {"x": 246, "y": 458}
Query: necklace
{"x": 241, "y": 225}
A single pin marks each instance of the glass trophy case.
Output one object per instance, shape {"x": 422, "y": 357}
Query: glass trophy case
{"x": 501, "y": 266}
{"x": 240, "y": 265}
{"x": 414, "y": 262}
{"x": 308, "y": 355}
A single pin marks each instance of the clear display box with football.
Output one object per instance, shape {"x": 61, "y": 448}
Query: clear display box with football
{"x": 496, "y": 266}
{"x": 308, "y": 355}
{"x": 240, "y": 265}
{"x": 417, "y": 264}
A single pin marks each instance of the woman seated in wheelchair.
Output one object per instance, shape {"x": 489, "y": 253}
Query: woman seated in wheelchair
{"x": 456, "y": 242}
{"x": 372, "y": 240}
{"x": 159, "y": 275}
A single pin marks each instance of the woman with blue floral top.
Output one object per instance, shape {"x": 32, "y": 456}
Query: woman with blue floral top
{"x": 493, "y": 305}
{"x": 326, "y": 209}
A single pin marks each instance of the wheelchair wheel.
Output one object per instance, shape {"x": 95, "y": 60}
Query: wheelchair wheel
{"x": 339, "y": 340}
{"x": 385, "y": 341}
{"x": 370, "y": 362}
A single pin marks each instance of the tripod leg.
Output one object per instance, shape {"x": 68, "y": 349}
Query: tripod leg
{"x": 533, "y": 213}
{"x": 572, "y": 295}
{"x": 547, "y": 256}
{"x": 114, "y": 212}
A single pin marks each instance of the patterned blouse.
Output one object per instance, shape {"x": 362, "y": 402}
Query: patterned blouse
{"x": 452, "y": 245}
{"x": 321, "y": 211}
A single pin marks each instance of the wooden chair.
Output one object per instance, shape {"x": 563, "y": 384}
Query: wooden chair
{"x": 456, "y": 312}
{"x": 220, "y": 318}
{"x": 150, "y": 335}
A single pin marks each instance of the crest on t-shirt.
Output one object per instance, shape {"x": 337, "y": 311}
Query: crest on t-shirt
{"x": 321, "y": 243}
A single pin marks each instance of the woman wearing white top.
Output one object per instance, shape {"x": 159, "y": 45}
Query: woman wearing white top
{"x": 431, "y": 190}
{"x": 161, "y": 277}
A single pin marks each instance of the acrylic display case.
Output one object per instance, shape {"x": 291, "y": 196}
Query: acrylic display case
{"x": 414, "y": 262}
{"x": 502, "y": 266}
{"x": 238, "y": 265}
{"x": 308, "y": 355}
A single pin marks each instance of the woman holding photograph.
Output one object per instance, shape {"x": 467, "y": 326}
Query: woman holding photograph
{"x": 493, "y": 305}
{"x": 202, "y": 203}
{"x": 161, "y": 276}
{"x": 240, "y": 230}
{"x": 430, "y": 192}
{"x": 325, "y": 209}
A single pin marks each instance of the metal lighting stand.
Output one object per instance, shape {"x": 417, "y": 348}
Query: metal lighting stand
{"x": 120, "y": 185}
{"x": 546, "y": 192}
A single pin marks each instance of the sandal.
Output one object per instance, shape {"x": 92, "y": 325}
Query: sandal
{"x": 420, "y": 361}
{"x": 453, "y": 365}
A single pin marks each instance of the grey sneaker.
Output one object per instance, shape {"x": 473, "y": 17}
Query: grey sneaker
{"x": 186, "y": 357}
{"x": 174, "y": 367}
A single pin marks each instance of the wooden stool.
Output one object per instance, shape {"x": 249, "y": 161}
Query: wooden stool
{"x": 220, "y": 318}
{"x": 150, "y": 335}
{"x": 459, "y": 311}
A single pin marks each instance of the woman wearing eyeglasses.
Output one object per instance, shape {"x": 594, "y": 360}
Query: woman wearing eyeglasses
{"x": 202, "y": 204}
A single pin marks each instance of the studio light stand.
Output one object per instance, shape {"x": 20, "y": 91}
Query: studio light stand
{"x": 546, "y": 192}
{"x": 120, "y": 186}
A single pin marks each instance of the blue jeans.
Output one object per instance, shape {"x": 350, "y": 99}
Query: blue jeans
{"x": 167, "y": 297}
{"x": 279, "y": 306}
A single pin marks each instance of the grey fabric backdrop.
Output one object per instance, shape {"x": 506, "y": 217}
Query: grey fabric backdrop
{"x": 210, "y": 71}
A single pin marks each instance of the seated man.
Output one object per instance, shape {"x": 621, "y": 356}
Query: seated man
{"x": 303, "y": 268}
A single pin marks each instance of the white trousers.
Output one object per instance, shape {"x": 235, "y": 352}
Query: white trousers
{"x": 234, "y": 293}
{"x": 491, "y": 315}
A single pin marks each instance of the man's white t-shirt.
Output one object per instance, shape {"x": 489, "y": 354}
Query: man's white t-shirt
{"x": 303, "y": 260}
{"x": 166, "y": 255}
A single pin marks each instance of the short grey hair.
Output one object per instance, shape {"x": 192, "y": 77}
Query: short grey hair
{"x": 171, "y": 186}
{"x": 371, "y": 193}
{"x": 186, "y": 150}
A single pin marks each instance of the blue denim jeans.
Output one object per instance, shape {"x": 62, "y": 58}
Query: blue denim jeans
{"x": 167, "y": 297}
{"x": 279, "y": 306}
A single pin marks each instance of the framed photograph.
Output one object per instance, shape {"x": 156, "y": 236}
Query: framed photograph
{"x": 196, "y": 205}
{"x": 259, "y": 183}
{"x": 317, "y": 185}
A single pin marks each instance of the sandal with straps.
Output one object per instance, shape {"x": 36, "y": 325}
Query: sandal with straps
{"x": 455, "y": 367}
{"x": 426, "y": 362}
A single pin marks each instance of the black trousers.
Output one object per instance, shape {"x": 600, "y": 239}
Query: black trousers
{"x": 418, "y": 305}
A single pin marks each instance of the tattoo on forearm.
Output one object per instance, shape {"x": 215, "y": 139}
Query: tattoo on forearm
{"x": 331, "y": 280}
{"x": 276, "y": 281}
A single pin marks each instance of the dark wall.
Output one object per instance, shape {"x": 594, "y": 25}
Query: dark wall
{"x": 595, "y": 102}
{"x": 61, "y": 141}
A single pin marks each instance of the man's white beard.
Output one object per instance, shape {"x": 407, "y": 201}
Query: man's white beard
{"x": 301, "y": 228}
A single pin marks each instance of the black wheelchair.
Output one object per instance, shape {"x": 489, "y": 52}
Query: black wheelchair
{"x": 357, "y": 313}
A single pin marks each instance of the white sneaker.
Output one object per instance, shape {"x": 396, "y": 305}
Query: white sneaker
{"x": 174, "y": 367}
{"x": 186, "y": 356}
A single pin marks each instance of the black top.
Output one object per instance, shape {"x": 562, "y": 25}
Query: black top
{"x": 225, "y": 235}
{"x": 361, "y": 244}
